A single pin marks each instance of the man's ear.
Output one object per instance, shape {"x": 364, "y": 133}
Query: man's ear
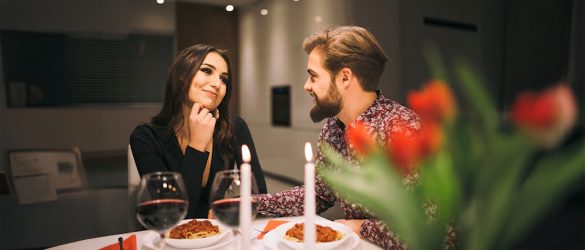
{"x": 346, "y": 76}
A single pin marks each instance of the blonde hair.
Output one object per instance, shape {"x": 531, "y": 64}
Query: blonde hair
{"x": 352, "y": 47}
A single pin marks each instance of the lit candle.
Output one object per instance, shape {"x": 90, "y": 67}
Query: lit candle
{"x": 245, "y": 200}
{"x": 310, "y": 230}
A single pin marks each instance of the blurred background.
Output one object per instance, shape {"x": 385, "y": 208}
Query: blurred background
{"x": 83, "y": 73}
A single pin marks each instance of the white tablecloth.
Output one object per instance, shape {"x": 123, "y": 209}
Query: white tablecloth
{"x": 100, "y": 242}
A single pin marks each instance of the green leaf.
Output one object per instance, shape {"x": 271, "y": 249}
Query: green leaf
{"x": 505, "y": 157}
{"x": 379, "y": 188}
{"x": 434, "y": 59}
{"x": 497, "y": 184}
{"x": 441, "y": 186}
{"x": 462, "y": 144}
{"x": 552, "y": 176}
{"x": 478, "y": 97}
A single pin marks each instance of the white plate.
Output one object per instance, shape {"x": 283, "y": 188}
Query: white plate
{"x": 152, "y": 241}
{"x": 274, "y": 239}
{"x": 200, "y": 242}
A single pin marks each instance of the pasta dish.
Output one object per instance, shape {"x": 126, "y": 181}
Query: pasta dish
{"x": 324, "y": 234}
{"x": 194, "y": 229}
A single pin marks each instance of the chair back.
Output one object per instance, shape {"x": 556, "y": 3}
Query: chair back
{"x": 133, "y": 175}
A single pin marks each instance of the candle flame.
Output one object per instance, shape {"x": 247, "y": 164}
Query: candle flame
{"x": 308, "y": 152}
{"x": 246, "y": 153}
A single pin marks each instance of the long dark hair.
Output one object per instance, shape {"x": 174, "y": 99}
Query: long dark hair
{"x": 180, "y": 74}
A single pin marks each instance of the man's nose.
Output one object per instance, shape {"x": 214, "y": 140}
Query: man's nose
{"x": 307, "y": 86}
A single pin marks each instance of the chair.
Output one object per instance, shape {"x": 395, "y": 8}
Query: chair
{"x": 133, "y": 183}
{"x": 133, "y": 175}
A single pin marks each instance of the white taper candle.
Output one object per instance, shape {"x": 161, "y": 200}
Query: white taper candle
{"x": 310, "y": 228}
{"x": 245, "y": 199}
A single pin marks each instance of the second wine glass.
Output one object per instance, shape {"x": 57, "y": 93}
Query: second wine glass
{"x": 225, "y": 198}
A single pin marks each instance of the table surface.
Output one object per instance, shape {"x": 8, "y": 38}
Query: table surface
{"x": 100, "y": 242}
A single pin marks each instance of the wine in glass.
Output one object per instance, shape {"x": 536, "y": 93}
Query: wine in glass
{"x": 225, "y": 198}
{"x": 161, "y": 202}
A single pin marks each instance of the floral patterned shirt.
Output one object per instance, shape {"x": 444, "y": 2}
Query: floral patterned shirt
{"x": 381, "y": 117}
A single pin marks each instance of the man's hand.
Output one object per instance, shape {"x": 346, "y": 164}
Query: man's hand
{"x": 210, "y": 215}
{"x": 201, "y": 126}
{"x": 355, "y": 225}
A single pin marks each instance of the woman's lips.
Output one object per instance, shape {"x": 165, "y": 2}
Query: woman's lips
{"x": 211, "y": 94}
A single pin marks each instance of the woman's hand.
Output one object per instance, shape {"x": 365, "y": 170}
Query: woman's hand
{"x": 201, "y": 126}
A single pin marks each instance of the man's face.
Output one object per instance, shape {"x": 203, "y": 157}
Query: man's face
{"x": 320, "y": 84}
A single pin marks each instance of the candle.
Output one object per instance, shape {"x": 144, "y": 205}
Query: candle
{"x": 310, "y": 230}
{"x": 245, "y": 200}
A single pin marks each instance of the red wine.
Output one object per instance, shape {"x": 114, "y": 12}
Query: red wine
{"x": 228, "y": 211}
{"x": 160, "y": 215}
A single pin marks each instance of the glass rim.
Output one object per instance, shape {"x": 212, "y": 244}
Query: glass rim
{"x": 162, "y": 173}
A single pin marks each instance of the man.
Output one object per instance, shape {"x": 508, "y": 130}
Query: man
{"x": 344, "y": 66}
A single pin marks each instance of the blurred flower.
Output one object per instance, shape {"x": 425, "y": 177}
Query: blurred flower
{"x": 407, "y": 150}
{"x": 475, "y": 184}
{"x": 545, "y": 116}
{"x": 434, "y": 102}
{"x": 359, "y": 139}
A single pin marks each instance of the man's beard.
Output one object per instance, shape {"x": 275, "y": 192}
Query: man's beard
{"x": 328, "y": 106}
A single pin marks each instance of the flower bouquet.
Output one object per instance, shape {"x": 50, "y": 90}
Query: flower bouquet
{"x": 489, "y": 179}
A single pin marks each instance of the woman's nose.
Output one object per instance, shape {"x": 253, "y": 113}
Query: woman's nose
{"x": 216, "y": 82}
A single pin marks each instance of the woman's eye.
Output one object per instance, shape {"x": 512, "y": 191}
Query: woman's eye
{"x": 223, "y": 79}
{"x": 206, "y": 70}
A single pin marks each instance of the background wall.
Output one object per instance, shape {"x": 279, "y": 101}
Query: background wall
{"x": 104, "y": 209}
{"x": 103, "y": 128}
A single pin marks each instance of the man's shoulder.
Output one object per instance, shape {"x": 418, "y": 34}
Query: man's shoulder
{"x": 388, "y": 106}
{"x": 388, "y": 112}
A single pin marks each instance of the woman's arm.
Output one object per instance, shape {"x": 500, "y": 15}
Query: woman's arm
{"x": 244, "y": 136}
{"x": 147, "y": 155}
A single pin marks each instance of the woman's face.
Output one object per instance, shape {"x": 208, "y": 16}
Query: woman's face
{"x": 208, "y": 86}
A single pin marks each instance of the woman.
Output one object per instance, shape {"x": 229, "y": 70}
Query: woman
{"x": 194, "y": 133}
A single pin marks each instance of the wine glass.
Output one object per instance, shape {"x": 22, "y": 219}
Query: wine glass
{"x": 225, "y": 198}
{"x": 161, "y": 202}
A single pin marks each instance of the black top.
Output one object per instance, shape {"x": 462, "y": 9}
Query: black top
{"x": 155, "y": 150}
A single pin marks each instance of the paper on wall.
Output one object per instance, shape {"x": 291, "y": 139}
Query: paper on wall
{"x": 35, "y": 188}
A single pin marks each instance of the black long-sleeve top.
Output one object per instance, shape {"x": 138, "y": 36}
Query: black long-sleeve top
{"x": 155, "y": 150}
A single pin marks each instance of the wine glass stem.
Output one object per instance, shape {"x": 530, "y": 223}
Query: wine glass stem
{"x": 163, "y": 243}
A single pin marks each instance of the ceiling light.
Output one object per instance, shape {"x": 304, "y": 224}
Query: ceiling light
{"x": 229, "y": 8}
{"x": 160, "y": 1}
{"x": 264, "y": 12}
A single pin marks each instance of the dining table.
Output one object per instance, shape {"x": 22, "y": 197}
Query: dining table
{"x": 144, "y": 239}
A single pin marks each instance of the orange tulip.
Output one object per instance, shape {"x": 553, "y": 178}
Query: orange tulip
{"x": 404, "y": 151}
{"x": 546, "y": 116}
{"x": 407, "y": 150}
{"x": 430, "y": 139}
{"x": 434, "y": 102}
{"x": 359, "y": 139}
